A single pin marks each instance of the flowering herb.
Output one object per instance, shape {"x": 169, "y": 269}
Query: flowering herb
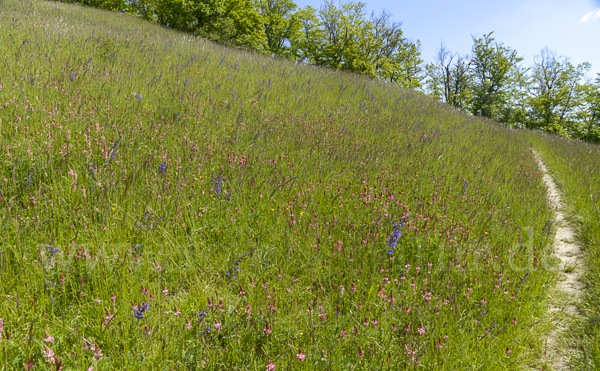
{"x": 52, "y": 250}
{"x": 216, "y": 183}
{"x": 138, "y": 311}
{"x": 29, "y": 178}
{"x": 236, "y": 266}
{"x": 149, "y": 221}
{"x": 137, "y": 248}
{"x": 393, "y": 239}
{"x": 113, "y": 151}
{"x": 162, "y": 168}
{"x": 92, "y": 175}
{"x": 202, "y": 314}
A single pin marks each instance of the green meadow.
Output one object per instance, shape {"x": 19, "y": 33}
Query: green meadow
{"x": 167, "y": 203}
{"x": 576, "y": 167}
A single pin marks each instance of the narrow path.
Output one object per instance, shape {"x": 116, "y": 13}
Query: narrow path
{"x": 563, "y": 306}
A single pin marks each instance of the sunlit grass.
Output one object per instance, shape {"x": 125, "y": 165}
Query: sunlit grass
{"x": 250, "y": 202}
{"x": 576, "y": 167}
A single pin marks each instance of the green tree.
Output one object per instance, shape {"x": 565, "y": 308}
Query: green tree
{"x": 142, "y": 8}
{"x": 186, "y": 15}
{"x": 498, "y": 79}
{"x": 556, "y": 94}
{"x": 247, "y": 23}
{"x": 305, "y": 44}
{"x": 234, "y": 22}
{"x": 343, "y": 38}
{"x": 280, "y": 25}
{"x": 449, "y": 78}
{"x": 382, "y": 51}
{"x": 115, "y": 5}
{"x": 588, "y": 116}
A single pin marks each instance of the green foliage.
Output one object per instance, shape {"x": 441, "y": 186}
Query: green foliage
{"x": 449, "y": 79}
{"x": 233, "y": 22}
{"x": 343, "y": 38}
{"x": 158, "y": 172}
{"x": 491, "y": 83}
{"x": 280, "y": 24}
{"x": 496, "y": 77}
{"x": 555, "y": 94}
{"x": 587, "y": 117}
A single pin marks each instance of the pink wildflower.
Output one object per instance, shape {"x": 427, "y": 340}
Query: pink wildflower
{"x": 97, "y": 351}
{"x": 301, "y": 355}
{"x": 271, "y": 366}
{"x": 217, "y": 325}
{"x": 49, "y": 353}
{"x": 267, "y": 329}
{"x": 108, "y": 317}
{"x": 48, "y": 338}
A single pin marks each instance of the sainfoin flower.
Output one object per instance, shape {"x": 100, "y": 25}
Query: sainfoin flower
{"x": 49, "y": 354}
{"x": 108, "y": 317}
{"x": 48, "y": 338}
{"x": 97, "y": 351}
{"x": 271, "y": 366}
{"x": 301, "y": 356}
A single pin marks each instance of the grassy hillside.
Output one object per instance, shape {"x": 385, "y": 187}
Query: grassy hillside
{"x": 170, "y": 204}
{"x": 576, "y": 166}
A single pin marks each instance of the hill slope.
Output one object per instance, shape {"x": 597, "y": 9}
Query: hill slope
{"x": 168, "y": 203}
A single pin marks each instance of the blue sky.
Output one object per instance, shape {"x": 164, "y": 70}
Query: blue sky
{"x": 570, "y": 27}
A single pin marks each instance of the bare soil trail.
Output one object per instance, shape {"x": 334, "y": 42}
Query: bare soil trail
{"x": 564, "y": 298}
